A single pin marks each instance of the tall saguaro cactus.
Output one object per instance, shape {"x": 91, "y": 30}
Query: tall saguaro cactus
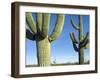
{"x": 39, "y": 33}
{"x": 82, "y": 42}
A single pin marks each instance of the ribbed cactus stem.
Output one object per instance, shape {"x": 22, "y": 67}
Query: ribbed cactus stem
{"x": 43, "y": 52}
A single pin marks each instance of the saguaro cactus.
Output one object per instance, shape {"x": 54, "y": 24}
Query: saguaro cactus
{"x": 82, "y": 42}
{"x": 39, "y": 33}
{"x": 54, "y": 61}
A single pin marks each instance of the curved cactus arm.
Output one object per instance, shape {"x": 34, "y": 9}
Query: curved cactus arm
{"x": 29, "y": 35}
{"x": 73, "y": 38}
{"x": 39, "y": 25}
{"x": 87, "y": 45}
{"x": 75, "y": 47}
{"x": 74, "y": 25}
{"x": 30, "y": 21}
{"x": 84, "y": 44}
{"x": 39, "y": 21}
{"x": 58, "y": 27}
{"x": 85, "y": 39}
{"x": 74, "y": 42}
{"x": 46, "y": 22}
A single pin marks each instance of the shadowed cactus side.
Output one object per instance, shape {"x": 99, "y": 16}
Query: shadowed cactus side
{"x": 82, "y": 42}
{"x": 39, "y": 33}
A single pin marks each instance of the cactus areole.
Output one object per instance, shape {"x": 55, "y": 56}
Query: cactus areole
{"x": 83, "y": 42}
{"x": 39, "y": 33}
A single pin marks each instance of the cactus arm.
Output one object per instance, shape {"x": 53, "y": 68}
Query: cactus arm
{"x": 73, "y": 38}
{"x": 75, "y": 47}
{"x": 74, "y": 25}
{"x": 85, "y": 41}
{"x": 39, "y": 21}
{"x": 46, "y": 21}
{"x": 87, "y": 45}
{"x": 87, "y": 36}
{"x": 73, "y": 42}
{"x": 58, "y": 27}
{"x": 84, "y": 44}
{"x": 30, "y": 21}
{"x": 29, "y": 35}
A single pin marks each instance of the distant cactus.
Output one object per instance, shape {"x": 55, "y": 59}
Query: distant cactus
{"x": 82, "y": 42}
{"x": 54, "y": 61}
{"x": 39, "y": 33}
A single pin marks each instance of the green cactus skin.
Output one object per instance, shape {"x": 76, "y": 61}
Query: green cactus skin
{"x": 39, "y": 33}
{"x": 43, "y": 52}
{"x": 83, "y": 42}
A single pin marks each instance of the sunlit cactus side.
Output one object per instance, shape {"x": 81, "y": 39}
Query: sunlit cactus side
{"x": 39, "y": 32}
{"x": 82, "y": 42}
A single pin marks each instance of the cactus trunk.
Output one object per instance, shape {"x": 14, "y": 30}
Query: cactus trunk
{"x": 43, "y": 52}
{"x": 81, "y": 50}
{"x": 81, "y": 56}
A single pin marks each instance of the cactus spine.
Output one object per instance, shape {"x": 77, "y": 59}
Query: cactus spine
{"x": 82, "y": 42}
{"x": 39, "y": 33}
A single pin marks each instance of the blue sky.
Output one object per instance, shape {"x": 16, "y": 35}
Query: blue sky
{"x": 61, "y": 49}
